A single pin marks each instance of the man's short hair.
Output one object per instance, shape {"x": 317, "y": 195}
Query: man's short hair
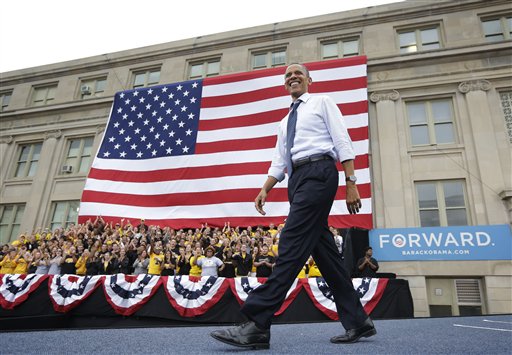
{"x": 367, "y": 248}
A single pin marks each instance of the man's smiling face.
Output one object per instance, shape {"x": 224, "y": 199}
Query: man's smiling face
{"x": 296, "y": 80}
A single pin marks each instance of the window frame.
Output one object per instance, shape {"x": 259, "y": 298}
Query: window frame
{"x": 63, "y": 223}
{"x": 340, "y": 41}
{"x": 441, "y": 201}
{"x": 79, "y": 157}
{"x": 268, "y": 53}
{"x": 146, "y": 72}
{"x": 430, "y": 122}
{"x": 11, "y": 224}
{"x": 507, "y": 35}
{"x": 93, "y": 84}
{"x": 29, "y": 159}
{"x": 46, "y": 101}
{"x": 3, "y": 95}
{"x": 417, "y": 35}
{"x": 204, "y": 67}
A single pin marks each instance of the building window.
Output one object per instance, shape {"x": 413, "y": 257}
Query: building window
{"x": 419, "y": 40}
{"x": 204, "y": 69}
{"x": 92, "y": 87}
{"x": 28, "y": 159}
{"x": 10, "y": 221}
{"x": 64, "y": 214}
{"x": 506, "y": 105}
{"x": 5, "y": 99}
{"x": 442, "y": 203}
{"x": 431, "y": 122}
{"x": 79, "y": 156}
{"x": 340, "y": 49}
{"x": 146, "y": 78}
{"x": 44, "y": 95}
{"x": 268, "y": 59}
{"x": 497, "y": 29}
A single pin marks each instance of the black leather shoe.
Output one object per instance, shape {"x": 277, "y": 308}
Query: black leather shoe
{"x": 353, "y": 335}
{"x": 246, "y": 335}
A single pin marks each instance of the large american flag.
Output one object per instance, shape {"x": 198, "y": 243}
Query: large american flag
{"x": 197, "y": 152}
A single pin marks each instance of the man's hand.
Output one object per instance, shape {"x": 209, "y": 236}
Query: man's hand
{"x": 259, "y": 202}
{"x": 353, "y": 200}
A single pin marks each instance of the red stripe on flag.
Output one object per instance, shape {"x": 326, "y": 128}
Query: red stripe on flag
{"x": 243, "y": 121}
{"x": 201, "y": 198}
{"x": 236, "y": 145}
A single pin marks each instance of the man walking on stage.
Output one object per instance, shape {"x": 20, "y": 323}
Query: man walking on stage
{"x": 309, "y": 141}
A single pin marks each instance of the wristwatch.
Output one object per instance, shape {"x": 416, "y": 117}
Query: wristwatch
{"x": 351, "y": 178}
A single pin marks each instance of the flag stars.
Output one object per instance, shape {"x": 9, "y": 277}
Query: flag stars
{"x": 178, "y": 141}
{"x": 179, "y": 87}
{"x": 106, "y": 154}
{"x": 191, "y": 116}
{"x": 116, "y": 124}
{"x": 153, "y": 153}
{"x": 162, "y": 143}
{"x": 143, "y": 138}
{"x": 170, "y": 96}
{"x": 194, "y": 85}
{"x": 171, "y": 134}
{"x": 177, "y": 102}
{"x": 153, "y": 114}
{"x": 168, "y": 111}
{"x": 193, "y": 100}
{"x": 157, "y": 136}
{"x": 165, "y": 127}
{"x": 125, "y": 116}
{"x": 146, "y": 122}
{"x": 127, "y": 138}
{"x": 142, "y": 99}
{"x": 127, "y": 101}
{"x": 117, "y": 146}
{"x": 148, "y": 107}
{"x": 184, "y": 108}
{"x": 175, "y": 117}
{"x": 156, "y": 98}
{"x": 121, "y": 131}
{"x": 149, "y": 145}
{"x": 185, "y": 149}
{"x": 133, "y": 146}
{"x": 185, "y": 93}
{"x": 139, "y": 155}
{"x": 151, "y": 129}
{"x": 160, "y": 119}
{"x": 133, "y": 108}
{"x": 168, "y": 151}
{"x": 140, "y": 115}
{"x": 181, "y": 124}
{"x": 188, "y": 132}
{"x": 121, "y": 95}
{"x": 135, "y": 93}
{"x": 131, "y": 123}
{"x": 112, "y": 139}
{"x": 122, "y": 154}
{"x": 150, "y": 91}
{"x": 137, "y": 130}
{"x": 162, "y": 104}
{"x": 164, "y": 90}
{"x": 119, "y": 110}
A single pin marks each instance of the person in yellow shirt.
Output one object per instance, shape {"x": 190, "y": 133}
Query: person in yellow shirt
{"x": 22, "y": 263}
{"x": 302, "y": 272}
{"x": 156, "y": 259}
{"x": 81, "y": 263}
{"x": 313, "y": 269}
{"x": 195, "y": 269}
{"x": 8, "y": 263}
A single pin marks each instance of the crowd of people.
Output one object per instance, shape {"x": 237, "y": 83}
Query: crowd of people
{"x": 103, "y": 248}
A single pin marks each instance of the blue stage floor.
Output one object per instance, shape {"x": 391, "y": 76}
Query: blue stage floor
{"x": 454, "y": 335}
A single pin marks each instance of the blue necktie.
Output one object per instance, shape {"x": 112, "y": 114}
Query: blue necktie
{"x": 290, "y": 135}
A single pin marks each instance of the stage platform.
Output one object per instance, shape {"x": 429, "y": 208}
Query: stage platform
{"x": 119, "y": 301}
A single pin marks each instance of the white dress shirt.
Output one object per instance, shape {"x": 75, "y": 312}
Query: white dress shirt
{"x": 320, "y": 129}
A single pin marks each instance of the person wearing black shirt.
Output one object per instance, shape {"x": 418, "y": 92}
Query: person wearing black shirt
{"x": 367, "y": 265}
{"x": 264, "y": 263}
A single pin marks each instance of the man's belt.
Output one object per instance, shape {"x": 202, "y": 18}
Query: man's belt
{"x": 316, "y": 157}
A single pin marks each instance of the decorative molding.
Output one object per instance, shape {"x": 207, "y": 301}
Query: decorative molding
{"x": 474, "y": 85}
{"x": 6, "y": 139}
{"x": 57, "y": 133}
{"x": 391, "y": 95}
{"x": 100, "y": 129}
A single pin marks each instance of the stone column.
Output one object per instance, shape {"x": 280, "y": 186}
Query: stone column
{"x": 392, "y": 186}
{"x": 486, "y": 151}
{"x": 42, "y": 183}
{"x": 5, "y": 143}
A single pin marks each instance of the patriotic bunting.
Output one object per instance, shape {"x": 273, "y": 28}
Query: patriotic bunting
{"x": 369, "y": 290}
{"x": 126, "y": 294}
{"x": 68, "y": 291}
{"x": 15, "y": 289}
{"x": 193, "y": 296}
{"x": 241, "y": 287}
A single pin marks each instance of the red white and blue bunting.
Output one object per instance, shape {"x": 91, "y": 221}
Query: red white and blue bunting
{"x": 190, "y": 296}
{"x": 241, "y": 287}
{"x": 15, "y": 289}
{"x": 126, "y": 293}
{"x": 369, "y": 290}
{"x": 193, "y": 296}
{"x": 68, "y": 291}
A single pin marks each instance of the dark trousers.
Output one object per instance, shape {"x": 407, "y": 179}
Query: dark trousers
{"x": 311, "y": 191}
